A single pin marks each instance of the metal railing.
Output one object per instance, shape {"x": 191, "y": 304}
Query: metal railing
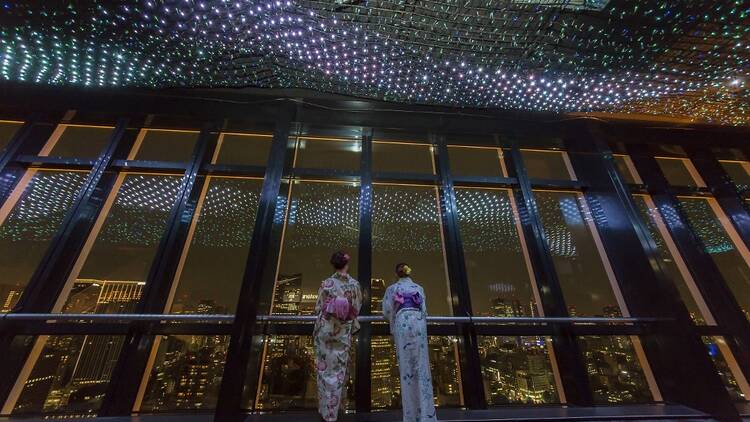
{"x": 228, "y": 318}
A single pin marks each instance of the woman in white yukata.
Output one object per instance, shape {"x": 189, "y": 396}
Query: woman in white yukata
{"x": 339, "y": 300}
{"x": 405, "y": 309}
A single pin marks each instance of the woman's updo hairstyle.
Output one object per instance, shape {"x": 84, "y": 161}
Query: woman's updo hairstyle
{"x": 339, "y": 260}
{"x": 402, "y": 270}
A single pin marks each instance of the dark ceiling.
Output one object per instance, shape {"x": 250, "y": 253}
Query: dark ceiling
{"x": 676, "y": 59}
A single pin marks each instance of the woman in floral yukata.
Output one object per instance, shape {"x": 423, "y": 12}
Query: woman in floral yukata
{"x": 405, "y": 309}
{"x": 339, "y": 300}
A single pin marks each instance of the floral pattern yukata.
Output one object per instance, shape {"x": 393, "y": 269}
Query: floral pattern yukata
{"x": 407, "y": 313}
{"x": 339, "y": 301}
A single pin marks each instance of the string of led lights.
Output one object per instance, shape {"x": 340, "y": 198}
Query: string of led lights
{"x": 657, "y": 56}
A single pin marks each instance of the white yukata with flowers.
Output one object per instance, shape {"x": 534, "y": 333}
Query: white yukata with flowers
{"x": 339, "y": 301}
{"x": 409, "y": 330}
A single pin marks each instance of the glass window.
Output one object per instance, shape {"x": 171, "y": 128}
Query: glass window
{"x": 385, "y": 379}
{"x": 328, "y": 153}
{"x": 497, "y": 263}
{"x": 164, "y": 145}
{"x": 517, "y": 370}
{"x": 547, "y": 165}
{"x": 671, "y": 261}
{"x": 739, "y": 174}
{"x": 29, "y": 220}
{"x": 186, "y": 373}
{"x": 69, "y": 374}
{"x": 722, "y": 243}
{"x": 727, "y": 368}
{"x": 476, "y": 161}
{"x": 406, "y": 227}
{"x": 111, "y": 272}
{"x": 615, "y": 372}
{"x": 398, "y": 157}
{"x": 243, "y": 149}
{"x": 627, "y": 169}
{"x": 7, "y": 130}
{"x": 680, "y": 172}
{"x": 210, "y": 275}
{"x": 321, "y": 218}
{"x": 72, "y": 141}
{"x": 289, "y": 378}
{"x": 585, "y": 276}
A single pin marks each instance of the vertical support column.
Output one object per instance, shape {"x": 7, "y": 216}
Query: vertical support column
{"x": 460, "y": 297}
{"x": 133, "y": 359}
{"x": 364, "y": 352}
{"x": 51, "y": 274}
{"x": 228, "y": 407}
{"x": 715, "y": 292}
{"x": 646, "y": 289}
{"x": 572, "y": 369}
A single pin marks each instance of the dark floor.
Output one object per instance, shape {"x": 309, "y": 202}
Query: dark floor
{"x": 641, "y": 413}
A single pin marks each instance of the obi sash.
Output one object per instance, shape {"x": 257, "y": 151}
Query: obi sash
{"x": 410, "y": 300}
{"x": 340, "y": 308}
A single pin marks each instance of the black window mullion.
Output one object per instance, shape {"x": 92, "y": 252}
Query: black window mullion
{"x": 133, "y": 359}
{"x": 364, "y": 276}
{"x": 646, "y": 290}
{"x": 724, "y": 307}
{"x": 471, "y": 370}
{"x": 257, "y": 271}
{"x": 29, "y": 138}
{"x": 568, "y": 355}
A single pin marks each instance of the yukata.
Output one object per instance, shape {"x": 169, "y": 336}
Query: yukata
{"x": 339, "y": 301}
{"x": 405, "y": 309}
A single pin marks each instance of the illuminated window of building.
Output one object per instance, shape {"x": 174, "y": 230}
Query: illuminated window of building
{"x": 328, "y": 153}
{"x": 476, "y": 161}
{"x": 29, "y": 220}
{"x": 407, "y": 227}
{"x": 164, "y": 145}
{"x": 385, "y": 383}
{"x": 547, "y": 164}
{"x": 721, "y": 242}
{"x": 186, "y": 373}
{"x": 66, "y": 374}
{"x": 8, "y": 128}
{"x": 77, "y": 141}
{"x": 498, "y": 268}
{"x": 518, "y": 370}
{"x": 680, "y": 172}
{"x": 243, "y": 149}
{"x": 321, "y": 218}
{"x": 402, "y": 157}
{"x": 727, "y": 368}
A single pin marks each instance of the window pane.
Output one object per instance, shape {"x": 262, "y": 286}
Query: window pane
{"x": 334, "y": 154}
{"x": 652, "y": 220}
{"x": 548, "y": 165}
{"x": 406, "y": 227}
{"x": 215, "y": 264}
{"x": 246, "y": 150}
{"x": 517, "y": 370}
{"x": 29, "y": 221}
{"x": 738, "y": 173}
{"x": 385, "y": 384}
{"x": 615, "y": 375}
{"x": 186, "y": 373}
{"x": 321, "y": 219}
{"x": 474, "y": 161}
{"x": 402, "y": 158}
{"x": 70, "y": 375}
{"x": 496, "y": 265}
{"x": 115, "y": 269}
{"x": 83, "y": 142}
{"x": 677, "y": 171}
{"x": 289, "y": 378}
{"x": 717, "y": 348}
{"x": 7, "y": 130}
{"x": 626, "y": 169}
{"x": 580, "y": 269}
{"x": 166, "y": 145}
{"x": 702, "y": 217}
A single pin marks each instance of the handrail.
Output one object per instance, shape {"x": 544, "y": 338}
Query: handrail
{"x": 228, "y": 318}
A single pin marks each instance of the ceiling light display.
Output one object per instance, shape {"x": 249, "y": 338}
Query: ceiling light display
{"x": 661, "y": 57}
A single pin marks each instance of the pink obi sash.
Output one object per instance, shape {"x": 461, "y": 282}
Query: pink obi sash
{"x": 411, "y": 300}
{"x": 340, "y": 308}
